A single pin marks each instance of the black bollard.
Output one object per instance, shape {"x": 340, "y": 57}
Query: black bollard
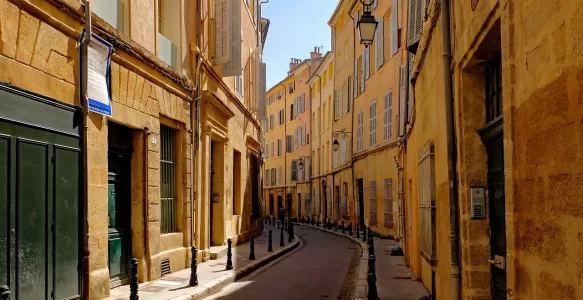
{"x": 134, "y": 279}
{"x": 4, "y": 292}
{"x": 357, "y": 232}
{"x": 292, "y": 232}
{"x": 252, "y": 248}
{"x": 350, "y": 229}
{"x": 372, "y": 278}
{"x": 370, "y": 245}
{"x": 364, "y": 233}
{"x": 335, "y": 225}
{"x": 281, "y": 244}
{"x": 193, "y": 277}
{"x": 277, "y": 222}
{"x": 269, "y": 246}
{"x": 342, "y": 227}
{"x": 229, "y": 256}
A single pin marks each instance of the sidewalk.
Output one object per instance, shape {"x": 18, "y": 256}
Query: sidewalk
{"x": 394, "y": 279}
{"x": 212, "y": 276}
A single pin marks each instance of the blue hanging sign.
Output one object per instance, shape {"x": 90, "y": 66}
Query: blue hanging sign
{"x": 98, "y": 63}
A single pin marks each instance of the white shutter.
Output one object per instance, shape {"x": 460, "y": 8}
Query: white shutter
{"x": 402, "y": 99}
{"x": 355, "y": 87}
{"x": 380, "y": 49}
{"x": 367, "y": 66}
{"x": 374, "y": 4}
{"x": 295, "y": 111}
{"x": 394, "y": 28}
{"x": 362, "y": 64}
{"x": 356, "y": 19}
{"x": 235, "y": 65}
{"x": 222, "y": 38}
{"x": 340, "y": 103}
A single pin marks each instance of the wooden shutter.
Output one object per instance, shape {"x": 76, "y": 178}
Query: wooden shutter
{"x": 388, "y": 203}
{"x": 222, "y": 29}
{"x": 402, "y": 99}
{"x": 394, "y": 27}
{"x": 355, "y": 88}
{"x": 415, "y": 28}
{"x": 379, "y": 44}
{"x": 235, "y": 64}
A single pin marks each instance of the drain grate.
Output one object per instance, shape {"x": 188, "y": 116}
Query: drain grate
{"x": 153, "y": 289}
{"x": 403, "y": 277}
{"x": 165, "y": 267}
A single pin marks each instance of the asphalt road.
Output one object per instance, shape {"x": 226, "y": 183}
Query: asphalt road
{"x": 318, "y": 270}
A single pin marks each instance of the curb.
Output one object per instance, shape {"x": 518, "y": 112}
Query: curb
{"x": 361, "y": 283}
{"x": 216, "y": 285}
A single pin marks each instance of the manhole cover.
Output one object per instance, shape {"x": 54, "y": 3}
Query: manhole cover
{"x": 153, "y": 289}
{"x": 402, "y": 277}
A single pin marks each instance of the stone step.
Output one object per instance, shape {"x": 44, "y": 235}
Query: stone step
{"x": 218, "y": 252}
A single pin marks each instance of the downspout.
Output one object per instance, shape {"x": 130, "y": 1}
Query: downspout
{"x": 146, "y": 211}
{"x": 195, "y": 122}
{"x": 451, "y": 152}
{"x": 320, "y": 135}
{"x": 352, "y": 121}
{"x": 84, "y": 171}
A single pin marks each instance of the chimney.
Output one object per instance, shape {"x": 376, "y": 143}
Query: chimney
{"x": 316, "y": 53}
{"x": 294, "y": 63}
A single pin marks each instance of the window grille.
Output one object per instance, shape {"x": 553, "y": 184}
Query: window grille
{"x": 167, "y": 180}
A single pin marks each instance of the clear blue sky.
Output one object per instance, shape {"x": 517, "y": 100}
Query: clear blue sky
{"x": 297, "y": 26}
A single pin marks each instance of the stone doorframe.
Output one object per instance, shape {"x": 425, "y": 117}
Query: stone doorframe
{"x": 215, "y": 124}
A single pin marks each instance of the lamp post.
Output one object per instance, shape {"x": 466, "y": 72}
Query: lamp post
{"x": 367, "y": 25}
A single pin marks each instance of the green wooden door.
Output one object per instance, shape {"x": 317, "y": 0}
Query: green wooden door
{"x": 119, "y": 241}
{"x": 39, "y": 198}
{"x": 40, "y": 206}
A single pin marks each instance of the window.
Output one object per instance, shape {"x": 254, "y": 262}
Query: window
{"x": 394, "y": 28}
{"x": 237, "y": 199}
{"x": 493, "y": 90}
{"x": 427, "y": 206}
{"x": 273, "y": 176}
{"x": 343, "y": 149}
{"x": 267, "y": 177}
{"x": 272, "y": 148}
{"x": 373, "y": 124}
{"x": 279, "y": 147}
{"x": 271, "y": 121}
{"x": 266, "y": 150}
{"x": 116, "y": 13}
{"x": 289, "y": 143}
{"x": 167, "y": 180}
{"x": 348, "y": 94}
{"x": 338, "y": 109}
{"x": 292, "y": 112}
{"x": 356, "y": 76}
{"x": 373, "y": 202}
{"x": 294, "y": 169}
{"x": 415, "y": 26}
{"x": 360, "y": 131}
{"x": 362, "y": 63}
{"x": 239, "y": 85}
{"x": 281, "y": 117}
{"x": 403, "y": 83}
{"x": 388, "y": 203}
{"x": 168, "y": 33}
{"x": 388, "y": 116}
{"x": 379, "y": 44}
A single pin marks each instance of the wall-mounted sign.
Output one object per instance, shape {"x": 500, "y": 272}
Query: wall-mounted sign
{"x": 98, "y": 62}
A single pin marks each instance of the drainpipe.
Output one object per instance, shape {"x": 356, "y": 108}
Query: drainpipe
{"x": 451, "y": 152}
{"x": 352, "y": 121}
{"x": 195, "y": 122}
{"x": 84, "y": 171}
{"x": 146, "y": 211}
{"x": 320, "y": 135}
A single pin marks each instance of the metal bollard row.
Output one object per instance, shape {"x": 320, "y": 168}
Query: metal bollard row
{"x": 134, "y": 279}
{"x": 229, "y": 255}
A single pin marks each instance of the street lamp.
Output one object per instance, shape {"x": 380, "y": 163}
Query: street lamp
{"x": 367, "y": 25}
{"x": 301, "y": 164}
{"x": 335, "y": 144}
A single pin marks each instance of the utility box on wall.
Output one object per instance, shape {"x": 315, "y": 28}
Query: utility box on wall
{"x": 478, "y": 203}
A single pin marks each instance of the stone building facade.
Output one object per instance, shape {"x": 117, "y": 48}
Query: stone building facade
{"x": 147, "y": 164}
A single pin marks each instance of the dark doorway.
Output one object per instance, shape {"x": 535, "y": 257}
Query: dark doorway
{"x": 119, "y": 203}
{"x": 299, "y": 205}
{"x": 271, "y": 204}
{"x": 40, "y": 204}
{"x": 289, "y": 205}
{"x": 325, "y": 199}
{"x": 360, "y": 184}
{"x": 279, "y": 207}
{"x": 337, "y": 200}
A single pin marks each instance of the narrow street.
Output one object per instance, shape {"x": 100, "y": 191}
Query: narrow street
{"x": 317, "y": 270}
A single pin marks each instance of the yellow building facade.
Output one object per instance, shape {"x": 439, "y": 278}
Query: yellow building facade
{"x": 148, "y": 193}
{"x": 322, "y": 90}
{"x": 288, "y": 140}
{"x": 497, "y": 226}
